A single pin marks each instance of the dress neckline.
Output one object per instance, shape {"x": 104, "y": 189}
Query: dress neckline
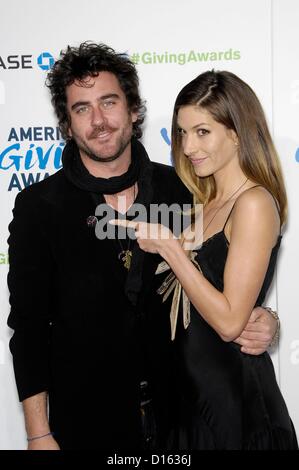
{"x": 211, "y": 238}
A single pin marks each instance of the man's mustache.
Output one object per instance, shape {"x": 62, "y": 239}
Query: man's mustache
{"x": 103, "y": 128}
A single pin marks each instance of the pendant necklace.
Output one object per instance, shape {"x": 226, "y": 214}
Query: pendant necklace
{"x": 126, "y": 255}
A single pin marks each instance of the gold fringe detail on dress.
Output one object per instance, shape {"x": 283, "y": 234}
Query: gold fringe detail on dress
{"x": 171, "y": 283}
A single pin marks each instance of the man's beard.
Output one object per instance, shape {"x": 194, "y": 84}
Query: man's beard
{"x": 123, "y": 141}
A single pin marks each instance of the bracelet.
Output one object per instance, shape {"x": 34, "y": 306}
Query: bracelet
{"x": 275, "y": 338}
{"x": 29, "y": 439}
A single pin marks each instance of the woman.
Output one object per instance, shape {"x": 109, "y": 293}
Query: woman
{"x": 223, "y": 152}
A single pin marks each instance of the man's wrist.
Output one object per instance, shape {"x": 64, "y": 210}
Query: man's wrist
{"x": 276, "y": 335}
{"x": 34, "y": 438}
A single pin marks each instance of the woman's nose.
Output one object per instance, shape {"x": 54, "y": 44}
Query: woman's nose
{"x": 189, "y": 145}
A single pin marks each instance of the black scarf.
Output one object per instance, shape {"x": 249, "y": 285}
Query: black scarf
{"x": 140, "y": 170}
{"x": 78, "y": 174}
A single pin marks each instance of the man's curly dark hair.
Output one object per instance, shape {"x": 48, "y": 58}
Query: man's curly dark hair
{"x": 77, "y": 63}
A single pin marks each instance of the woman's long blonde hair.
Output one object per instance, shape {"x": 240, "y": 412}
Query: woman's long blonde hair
{"x": 234, "y": 104}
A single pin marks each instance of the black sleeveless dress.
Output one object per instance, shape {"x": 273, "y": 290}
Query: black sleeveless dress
{"x": 226, "y": 399}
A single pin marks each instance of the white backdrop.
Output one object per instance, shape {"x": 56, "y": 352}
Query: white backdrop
{"x": 171, "y": 42}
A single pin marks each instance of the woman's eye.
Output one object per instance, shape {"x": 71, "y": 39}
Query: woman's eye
{"x": 202, "y": 132}
{"x": 181, "y": 131}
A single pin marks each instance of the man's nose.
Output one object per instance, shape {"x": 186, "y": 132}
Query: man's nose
{"x": 97, "y": 117}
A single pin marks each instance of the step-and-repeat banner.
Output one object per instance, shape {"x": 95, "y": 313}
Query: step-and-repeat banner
{"x": 171, "y": 42}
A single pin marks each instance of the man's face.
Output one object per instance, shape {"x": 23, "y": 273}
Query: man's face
{"x": 100, "y": 122}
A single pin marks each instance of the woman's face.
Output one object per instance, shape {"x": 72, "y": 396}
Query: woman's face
{"x": 209, "y": 145}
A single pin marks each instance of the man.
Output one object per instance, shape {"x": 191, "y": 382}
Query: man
{"x": 85, "y": 334}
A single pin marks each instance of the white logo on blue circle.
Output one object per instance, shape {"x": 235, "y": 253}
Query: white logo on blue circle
{"x": 45, "y": 60}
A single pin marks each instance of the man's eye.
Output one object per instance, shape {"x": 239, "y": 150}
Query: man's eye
{"x": 82, "y": 110}
{"x": 108, "y": 104}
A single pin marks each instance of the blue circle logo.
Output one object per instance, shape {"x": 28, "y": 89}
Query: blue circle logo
{"x": 45, "y": 60}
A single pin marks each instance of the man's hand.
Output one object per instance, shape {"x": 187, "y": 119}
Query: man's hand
{"x": 258, "y": 333}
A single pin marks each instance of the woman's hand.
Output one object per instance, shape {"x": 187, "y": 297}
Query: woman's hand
{"x": 153, "y": 238}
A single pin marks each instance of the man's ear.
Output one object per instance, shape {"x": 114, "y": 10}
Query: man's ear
{"x": 134, "y": 116}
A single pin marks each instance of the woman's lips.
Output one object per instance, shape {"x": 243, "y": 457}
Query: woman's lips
{"x": 197, "y": 161}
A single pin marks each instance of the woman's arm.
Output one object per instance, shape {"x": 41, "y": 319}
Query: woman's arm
{"x": 254, "y": 231}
